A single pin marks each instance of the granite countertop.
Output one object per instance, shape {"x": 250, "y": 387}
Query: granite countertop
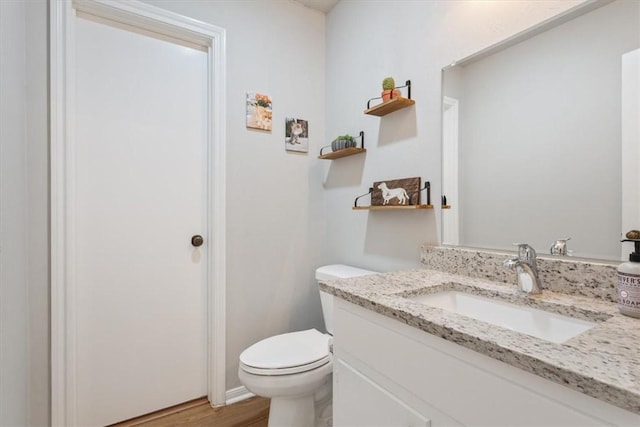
{"x": 603, "y": 362}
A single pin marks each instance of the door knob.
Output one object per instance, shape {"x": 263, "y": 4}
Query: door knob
{"x": 197, "y": 240}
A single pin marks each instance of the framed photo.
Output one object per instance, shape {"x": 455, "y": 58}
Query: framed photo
{"x": 259, "y": 111}
{"x": 296, "y": 135}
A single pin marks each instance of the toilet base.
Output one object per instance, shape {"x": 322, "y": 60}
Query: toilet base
{"x": 292, "y": 411}
{"x": 323, "y": 404}
{"x": 297, "y": 400}
{"x": 324, "y": 415}
{"x": 301, "y": 412}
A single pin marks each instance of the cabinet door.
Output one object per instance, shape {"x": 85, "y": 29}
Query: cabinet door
{"x": 359, "y": 402}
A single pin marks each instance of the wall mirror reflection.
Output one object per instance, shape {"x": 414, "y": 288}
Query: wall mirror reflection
{"x": 541, "y": 135}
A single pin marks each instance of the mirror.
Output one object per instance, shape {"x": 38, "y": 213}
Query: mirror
{"x": 533, "y": 132}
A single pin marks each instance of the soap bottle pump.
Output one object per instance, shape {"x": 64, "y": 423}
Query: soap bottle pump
{"x": 629, "y": 279}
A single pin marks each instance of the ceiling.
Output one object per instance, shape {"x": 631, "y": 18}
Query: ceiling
{"x": 321, "y": 5}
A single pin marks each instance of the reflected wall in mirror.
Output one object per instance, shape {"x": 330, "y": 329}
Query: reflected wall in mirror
{"x": 533, "y": 136}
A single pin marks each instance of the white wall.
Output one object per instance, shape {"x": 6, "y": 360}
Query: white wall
{"x": 24, "y": 230}
{"x": 37, "y": 147}
{"x": 13, "y": 217}
{"x": 274, "y": 216}
{"x": 367, "y": 41}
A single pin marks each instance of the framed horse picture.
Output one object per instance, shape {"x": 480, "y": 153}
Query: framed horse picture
{"x": 396, "y": 192}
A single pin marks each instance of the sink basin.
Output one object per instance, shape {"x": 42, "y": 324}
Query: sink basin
{"x": 531, "y": 321}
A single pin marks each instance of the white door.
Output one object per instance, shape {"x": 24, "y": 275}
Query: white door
{"x": 140, "y": 156}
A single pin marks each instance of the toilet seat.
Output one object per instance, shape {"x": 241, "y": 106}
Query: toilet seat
{"x": 285, "y": 371}
{"x": 286, "y": 354}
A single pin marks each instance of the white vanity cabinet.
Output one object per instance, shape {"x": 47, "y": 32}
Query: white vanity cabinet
{"x": 362, "y": 402}
{"x": 387, "y": 373}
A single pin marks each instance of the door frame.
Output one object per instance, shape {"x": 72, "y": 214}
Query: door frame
{"x": 143, "y": 18}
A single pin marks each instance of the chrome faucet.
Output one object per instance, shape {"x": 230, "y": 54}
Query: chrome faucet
{"x": 559, "y": 247}
{"x": 527, "y": 269}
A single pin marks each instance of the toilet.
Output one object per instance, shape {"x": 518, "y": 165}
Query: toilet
{"x": 294, "y": 369}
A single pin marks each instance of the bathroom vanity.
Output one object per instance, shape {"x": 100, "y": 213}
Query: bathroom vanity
{"x": 400, "y": 361}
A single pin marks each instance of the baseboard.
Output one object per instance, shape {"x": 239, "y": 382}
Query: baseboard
{"x": 237, "y": 394}
{"x": 137, "y": 421}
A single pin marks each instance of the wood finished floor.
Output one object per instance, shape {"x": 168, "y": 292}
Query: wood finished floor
{"x": 252, "y": 412}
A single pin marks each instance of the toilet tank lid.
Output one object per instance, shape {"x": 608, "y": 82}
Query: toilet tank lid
{"x": 340, "y": 271}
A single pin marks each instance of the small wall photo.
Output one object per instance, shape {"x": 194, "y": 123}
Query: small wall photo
{"x": 296, "y": 135}
{"x": 259, "y": 111}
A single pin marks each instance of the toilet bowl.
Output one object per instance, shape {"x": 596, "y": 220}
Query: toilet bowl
{"x": 295, "y": 369}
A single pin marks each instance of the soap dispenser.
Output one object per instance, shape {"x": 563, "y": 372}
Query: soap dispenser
{"x": 629, "y": 279}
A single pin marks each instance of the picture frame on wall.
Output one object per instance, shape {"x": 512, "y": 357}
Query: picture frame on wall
{"x": 296, "y": 135}
{"x": 259, "y": 111}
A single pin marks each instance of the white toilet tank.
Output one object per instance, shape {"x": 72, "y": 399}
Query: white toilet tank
{"x": 335, "y": 271}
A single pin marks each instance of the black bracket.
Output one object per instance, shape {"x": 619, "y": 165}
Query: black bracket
{"x": 361, "y": 136}
{"x": 427, "y": 186}
{"x": 355, "y": 202}
{"x": 407, "y": 85}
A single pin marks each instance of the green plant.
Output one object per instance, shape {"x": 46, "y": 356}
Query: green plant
{"x": 388, "y": 83}
{"x": 343, "y": 141}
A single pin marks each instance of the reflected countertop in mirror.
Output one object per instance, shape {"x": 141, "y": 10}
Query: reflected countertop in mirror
{"x": 540, "y": 136}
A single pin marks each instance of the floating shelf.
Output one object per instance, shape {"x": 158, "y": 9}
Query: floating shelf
{"x": 390, "y": 106}
{"x": 390, "y": 208}
{"x": 342, "y": 153}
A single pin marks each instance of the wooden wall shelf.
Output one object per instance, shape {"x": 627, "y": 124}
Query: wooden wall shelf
{"x": 342, "y": 153}
{"x": 446, "y": 206}
{"x": 390, "y": 106}
{"x": 391, "y": 208}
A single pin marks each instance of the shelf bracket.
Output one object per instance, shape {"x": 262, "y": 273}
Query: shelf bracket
{"x": 355, "y": 202}
{"x": 427, "y": 186}
{"x": 326, "y": 146}
{"x": 407, "y": 84}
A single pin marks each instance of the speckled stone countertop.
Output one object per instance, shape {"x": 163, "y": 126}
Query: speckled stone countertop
{"x": 603, "y": 362}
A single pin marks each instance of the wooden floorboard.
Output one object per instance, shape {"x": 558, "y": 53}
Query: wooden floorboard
{"x": 252, "y": 412}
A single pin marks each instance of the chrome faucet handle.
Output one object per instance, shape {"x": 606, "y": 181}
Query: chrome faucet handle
{"x": 559, "y": 247}
{"x": 511, "y": 262}
{"x": 526, "y": 252}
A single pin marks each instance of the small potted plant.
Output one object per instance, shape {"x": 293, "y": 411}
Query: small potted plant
{"x": 343, "y": 141}
{"x": 389, "y": 90}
